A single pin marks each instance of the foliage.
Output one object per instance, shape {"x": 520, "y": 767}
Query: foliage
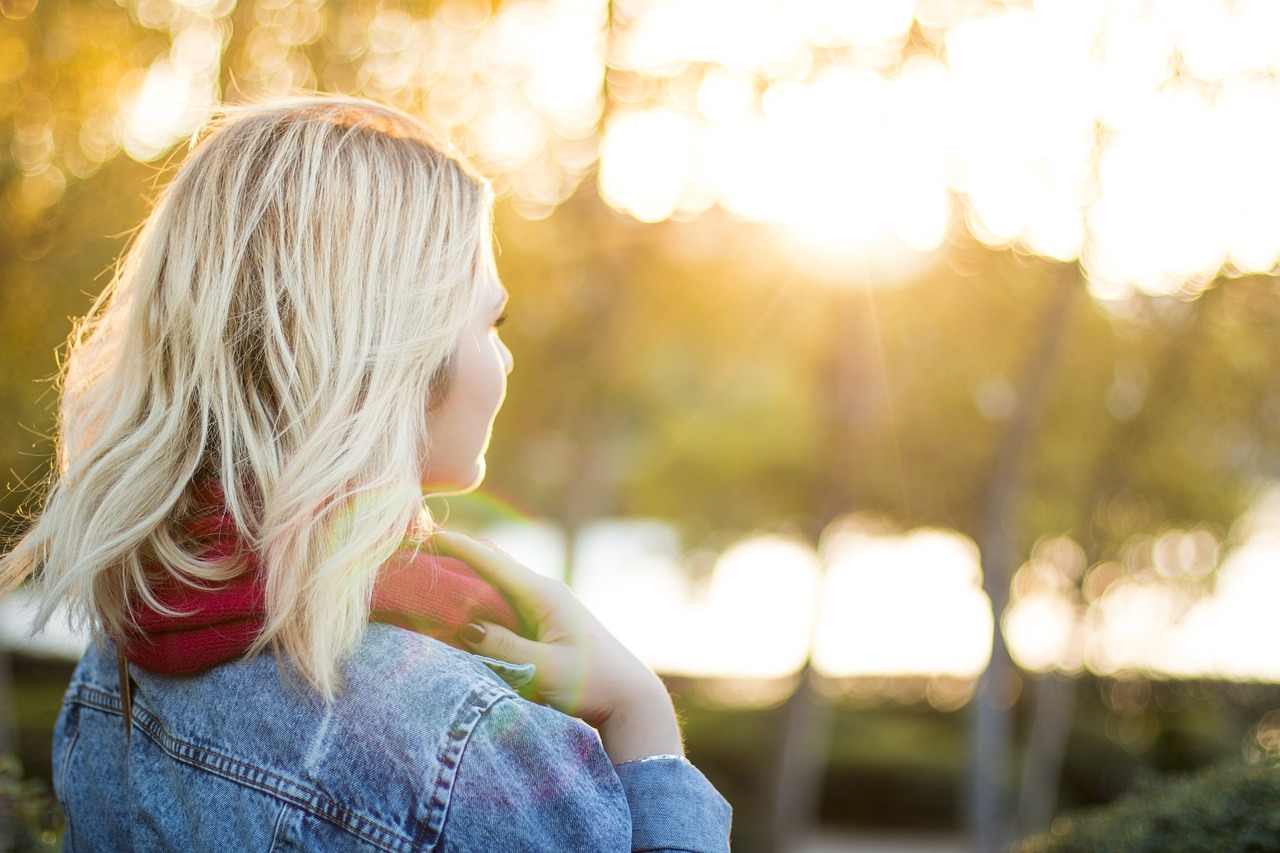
{"x": 30, "y": 819}
{"x": 1232, "y": 807}
{"x": 687, "y": 370}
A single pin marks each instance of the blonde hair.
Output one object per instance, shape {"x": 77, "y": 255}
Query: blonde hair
{"x": 279, "y": 326}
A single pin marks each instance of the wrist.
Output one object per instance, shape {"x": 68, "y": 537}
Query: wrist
{"x": 642, "y": 725}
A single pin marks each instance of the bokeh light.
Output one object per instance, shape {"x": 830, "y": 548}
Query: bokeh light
{"x": 1176, "y": 606}
{"x": 902, "y": 605}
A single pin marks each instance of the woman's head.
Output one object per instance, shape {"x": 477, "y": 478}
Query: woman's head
{"x": 321, "y": 260}
{"x": 286, "y": 323}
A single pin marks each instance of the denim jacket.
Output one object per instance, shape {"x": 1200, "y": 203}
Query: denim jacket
{"x": 425, "y": 748}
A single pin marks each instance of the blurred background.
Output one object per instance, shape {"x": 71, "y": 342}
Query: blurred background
{"x": 894, "y": 376}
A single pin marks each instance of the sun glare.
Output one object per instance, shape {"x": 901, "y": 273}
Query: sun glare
{"x": 1072, "y": 130}
{"x": 1133, "y": 137}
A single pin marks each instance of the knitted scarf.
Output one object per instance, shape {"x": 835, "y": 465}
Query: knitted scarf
{"x": 421, "y": 592}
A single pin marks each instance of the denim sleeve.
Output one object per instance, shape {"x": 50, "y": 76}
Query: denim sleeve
{"x": 533, "y": 779}
{"x": 674, "y": 807}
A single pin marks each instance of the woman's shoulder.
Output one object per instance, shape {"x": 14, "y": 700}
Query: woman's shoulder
{"x": 387, "y": 752}
{"x": 419, "y": 676}
{"x": 397, "y": 688}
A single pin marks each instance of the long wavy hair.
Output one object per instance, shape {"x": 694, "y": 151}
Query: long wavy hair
{"x": 279, "y": 326}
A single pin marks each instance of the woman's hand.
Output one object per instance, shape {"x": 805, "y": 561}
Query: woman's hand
{"x": 582, "y": 669}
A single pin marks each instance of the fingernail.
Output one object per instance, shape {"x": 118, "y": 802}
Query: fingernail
{"x": 472, "y": 632}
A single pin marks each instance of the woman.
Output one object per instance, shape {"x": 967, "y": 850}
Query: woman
{"x": 302, "y": 337}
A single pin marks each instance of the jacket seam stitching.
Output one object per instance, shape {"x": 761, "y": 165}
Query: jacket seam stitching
{"x": 464, "y": 725}
{"x": 238, "y": 771}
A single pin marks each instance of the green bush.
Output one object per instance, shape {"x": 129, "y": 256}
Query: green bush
{"x": 30, "y": 819}
{"x": 1228, "y": 809}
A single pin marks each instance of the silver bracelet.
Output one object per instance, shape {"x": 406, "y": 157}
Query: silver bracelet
{"x": 664, "y": 757}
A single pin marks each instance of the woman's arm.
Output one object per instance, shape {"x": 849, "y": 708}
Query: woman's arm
{"x": 583, "y": 671}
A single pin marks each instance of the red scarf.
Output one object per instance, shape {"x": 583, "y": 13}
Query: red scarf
{"x": 428, "y": 594}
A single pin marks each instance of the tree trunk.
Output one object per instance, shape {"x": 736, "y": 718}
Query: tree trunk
{"x": 1046, "y": 746}
{"x": 855, "y": 396}
{"x": 1050, "y": 729}
{"x": 991, "y": 732}
{"x": 799, "y": 765}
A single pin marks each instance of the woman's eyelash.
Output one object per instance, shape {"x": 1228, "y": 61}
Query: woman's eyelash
{"x": 502, "y": 318}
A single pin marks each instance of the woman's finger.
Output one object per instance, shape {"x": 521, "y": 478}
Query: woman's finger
{"x": 495, "y": 641}
{"x": 524, "y": 585}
